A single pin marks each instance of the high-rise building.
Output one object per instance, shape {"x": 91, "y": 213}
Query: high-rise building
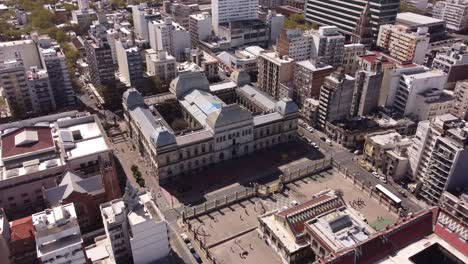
{"x": 325, "y": 44}
{"x": 53, "y": 59}
{"x": 25, "y": 50}
{"x": 295, "y": 44}
{"x": 411, "y": 84}
{"x": 101, "y": 64}
{"x": 345, "y": 14}
{"x": 15, "y": 88}
{"x": 367, "y": 91}
{"x": 328, "y": 45}
{"x": 454, "y": 12}
{"x": 136, "y": 228}
{"x": 58, "y": 236}
{"x": 180, "y": 11}
{"x": 350, "y": 57}
{"x": 200, "y": 27}
{"x": 454, "y": 62}
{"x": 272, "y": 71}
{"x": 336, "y": 96}
{"x": 39, "y": 85}
{"x": 130, "y": 64}
{"x": 460, "y": 106}
{"x": 436, "y": 27}
{"x": 308, "y": 77}
{"x": 142, "y": 15}
{"x": 403, "y": 44}
{"x": 226, "y": 11}
{"x": 438, "y": 156}
{"x": 170, "y": 36}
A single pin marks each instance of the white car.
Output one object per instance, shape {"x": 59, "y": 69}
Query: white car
{"x": 314, "y": 145}
{"x": 382, "y": 179}
{"x": 375, "y": 174}
{"x": 310, "y": 129}
{"x": 328, "y": 142}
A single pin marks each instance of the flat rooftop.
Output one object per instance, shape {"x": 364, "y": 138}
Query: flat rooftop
{"x": 404, "y": 255}
{"x": 413, "y": 19}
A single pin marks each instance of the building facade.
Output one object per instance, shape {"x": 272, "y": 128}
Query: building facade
{"x": 272, "y": 71}
{"x": 454, "y": 12}
{"x": 130, "y": 64}
{"x": 226, "y": 11}
{"x": 460, "y": 106}
{"x": 169, "y": 36}
{"x": 336, "y": 96}
{"x": 403, "y": 44}
{"x": 221, "y": 131}
{"x": 345, "y": 15}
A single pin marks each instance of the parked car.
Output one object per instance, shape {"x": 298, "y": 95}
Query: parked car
{"x": 310, "y": 129}
{"x": 197, "y": 257}
{"x": 314, "y": 145}
{"x": 375, "y": 174}
{"x": 190, "y": 247}
{"x": 185, "y": 238}
{"x": 323, "y": 138}
{"x": 357, "y": 152}
{"x": 382, "y": 179}
{"x": 328, "y": 142}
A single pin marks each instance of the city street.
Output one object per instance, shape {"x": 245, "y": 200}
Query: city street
{"x": 347, "y": 159}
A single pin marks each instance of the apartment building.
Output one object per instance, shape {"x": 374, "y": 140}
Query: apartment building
{"x": 58, "y": 236}
{"x": 129, "y": 63}
{"x": 308, "y": 77}
{"x": 38, "y": 151}
{"x": 345, "y": 14}
{"x": 454, "y": 62}
{"x": 387, "y": 151}
{"x": 170, "y": 36}
{"x": 19, "y": 97}
{"x": 328, "y": 45}
{"x": 161, "y": 64}
{"x": 181, "y": 11}
{"x": 412, "y": 84}
{"x": 350, "y": 54}
{"x": 54, "y": 61}
{"x": 403, "y": 44}
{"x": 295, "y": 44}
{"x": 272, "y": 71}
{"x": 100, "y": 62}
{"x": 454, "y": 12}
{"x": 431, "y": 103}
{"x": 39, "y": 84}
{"x": 366, "y": 93}
{"x": 200, "y": 27}
{"x": 226, "y": 11}
{"x": 437, "y": 156}
{"x": 336, "y": 96}
{"x": 460, "y": 106}
{"x": 142, "y": 15}
{"x": 136, "y": 228}
{"x": 21, "y": 49}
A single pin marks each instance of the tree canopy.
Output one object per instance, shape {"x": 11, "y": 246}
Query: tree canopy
{"x": 298, "y": 21}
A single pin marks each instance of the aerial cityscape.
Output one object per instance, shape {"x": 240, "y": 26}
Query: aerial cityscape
{"x": 233, "y": 131}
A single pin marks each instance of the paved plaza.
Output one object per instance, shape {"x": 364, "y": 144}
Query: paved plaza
{"x": 304, "y": 189}
{"x": 248, "y": 248}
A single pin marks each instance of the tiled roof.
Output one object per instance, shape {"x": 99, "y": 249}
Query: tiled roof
{"x": 22, "y": 229}
{"x": 9, "y": 149}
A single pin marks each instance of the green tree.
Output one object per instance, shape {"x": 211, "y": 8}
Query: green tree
{"x": 298, "y": 21}
{"x": 404, "y": 7}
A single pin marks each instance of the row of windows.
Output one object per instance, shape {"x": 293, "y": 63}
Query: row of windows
{"x": 233, "y": 135}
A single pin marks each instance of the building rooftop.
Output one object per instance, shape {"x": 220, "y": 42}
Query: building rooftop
{"x": 340, "y": 228}
{"x": 425, "y": 74}
{"x": 223, "y": 86}
{"x": 26, "y": 141}
{"x": 308, "y": 64}
{"x": 101, "y": 251}
{"x": 413, "y": 19}
{"x": 22, "y": 229}
{"x": 73, "y": 182}
{"x": 262, "y": 99}
{"x": 273, "y": 56}
{"x": 200, "y": 104}
{"x": 386, "y": 139}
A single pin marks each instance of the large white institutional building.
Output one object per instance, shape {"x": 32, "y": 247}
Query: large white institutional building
{"x": 225, "y": 11}
{"x": 218, "y": 130}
